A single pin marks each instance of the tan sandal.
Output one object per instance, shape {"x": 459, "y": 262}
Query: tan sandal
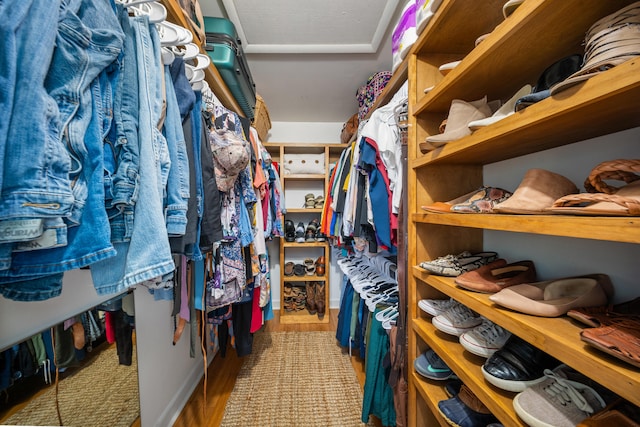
{"x": 608, "y": 200}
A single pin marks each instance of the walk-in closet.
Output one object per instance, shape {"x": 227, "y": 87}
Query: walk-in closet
{"x": 226, "y": 213}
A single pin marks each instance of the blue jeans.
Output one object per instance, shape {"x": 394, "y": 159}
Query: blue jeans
{"x": 147, "y": 255}
{"x": 196, "y": 124}
{"x": 34, "y": 181}
{"x": 88, "y": 41}
{"x": 122, "y": 155}
{"x": 177, "y": 195}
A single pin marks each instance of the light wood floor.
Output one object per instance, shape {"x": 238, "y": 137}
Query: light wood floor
{"x": 222, "y": 375}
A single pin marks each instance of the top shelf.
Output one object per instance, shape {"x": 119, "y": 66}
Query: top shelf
{"x": 212, "y": 76}
{"x": 606, "y": 103}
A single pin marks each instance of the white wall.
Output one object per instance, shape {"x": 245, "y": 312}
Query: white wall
{"x": 21, "y": 320}
{"x": 166, "y": 374}
{"x": 556, "y": 257}
{"x": 299, "y": 132}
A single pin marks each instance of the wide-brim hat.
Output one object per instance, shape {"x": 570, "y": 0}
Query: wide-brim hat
{"x": 610, "y": 41}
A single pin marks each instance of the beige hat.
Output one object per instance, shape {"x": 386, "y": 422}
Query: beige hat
{"x": 230, "y": 156}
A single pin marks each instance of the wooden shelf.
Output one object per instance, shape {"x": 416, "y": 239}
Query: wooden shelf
{"x": 305, "y": 278}
{"x": 431, "y": 392}
{"x": 467, "y": 367}
{"x": 606, "y": 103}
{"x": 305, "y": 244}
{"x": 560, "y": 337}
{"x": 302, "y": 316}
{"x": 304, "y": 210}
{"x": 301, "y": 177}
{"x": 616, "y": 229}
{"x": 212, "y": 76}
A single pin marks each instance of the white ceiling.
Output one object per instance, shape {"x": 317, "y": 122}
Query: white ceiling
{"x": 319, "y": 86}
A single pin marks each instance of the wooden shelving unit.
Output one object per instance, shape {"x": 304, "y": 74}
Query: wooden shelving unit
{"x": 516, "y": 51}
{"x": 294, "y": 250}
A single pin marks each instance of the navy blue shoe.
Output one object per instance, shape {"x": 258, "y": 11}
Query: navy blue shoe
{"x": 431, "y": 366}
{"x": 452, "y": 387}
{"x": 465, "y": 410}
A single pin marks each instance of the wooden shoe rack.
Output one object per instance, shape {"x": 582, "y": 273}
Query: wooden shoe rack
{"x": 516, "y": 51}
{"x": 295, "y": 187}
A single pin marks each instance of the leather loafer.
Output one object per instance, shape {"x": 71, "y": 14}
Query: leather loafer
{"x": 553, "y": 298}
{"x": 497, "y": 275}
{"x": 517, "y": 365}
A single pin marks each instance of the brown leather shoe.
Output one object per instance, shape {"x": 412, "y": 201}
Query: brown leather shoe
{"x": 620, "y": 413}
{"x": 320, "y": 266}
{"x": 621, "y": 339}
{"x": 320, "y": 299}
{"x": 497, "y": 275}
{"x": 311, "y": 297}
{"x": 605, "y": 314}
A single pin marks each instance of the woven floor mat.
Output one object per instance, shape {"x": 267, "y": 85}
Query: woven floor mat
{"x": 295, "y": 379}
{"x": 102, "y": 394}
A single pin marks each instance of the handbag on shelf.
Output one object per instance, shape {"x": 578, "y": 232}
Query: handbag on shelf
{"x": 349, "y": 129}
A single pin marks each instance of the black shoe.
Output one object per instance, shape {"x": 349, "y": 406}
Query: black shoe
{"x": 289, "y": 231}
{"x": 517, "y": 365}
{"x": 320, "y": 236}
{"x": 300, "y": 233}
{"x": 452, "y": 387}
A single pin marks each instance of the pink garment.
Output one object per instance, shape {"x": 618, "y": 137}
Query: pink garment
{"x": 184, "y": 294}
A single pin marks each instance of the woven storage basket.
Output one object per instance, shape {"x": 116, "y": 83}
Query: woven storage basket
{"x": 261, "y": 120}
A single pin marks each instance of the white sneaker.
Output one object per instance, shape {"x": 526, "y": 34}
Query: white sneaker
{"x": 436, "y": 307}
{"x": 457, "y": 320}
{"x": 484, "y": 340}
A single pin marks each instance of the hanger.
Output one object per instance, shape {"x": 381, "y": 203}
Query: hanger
{"x": 388, "y": 313}
{"x": 173, "y": 35}
{"x": 187, "y": 51}
{"x": 156, "y": 11}
{"x": 127, "y": 3}
{"x": 167, "y": 55}
{"x": 201, "y": 62}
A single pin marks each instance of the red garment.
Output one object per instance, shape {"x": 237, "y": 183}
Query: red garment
{"x": 327, "y": 212}
{"x": 256, "y": 311}
{"x": 109, "y": 328}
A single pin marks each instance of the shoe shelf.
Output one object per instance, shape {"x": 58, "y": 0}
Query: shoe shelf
{"x": 497, "y": 66}
{"x": 431, "y": 392}
{"x": 467, "y": 367}
{"x": 617, "y": 229}
{"x": 514, "y": 53}
{"x": 604, "y": 104}
{"x": 559, "y": 337}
